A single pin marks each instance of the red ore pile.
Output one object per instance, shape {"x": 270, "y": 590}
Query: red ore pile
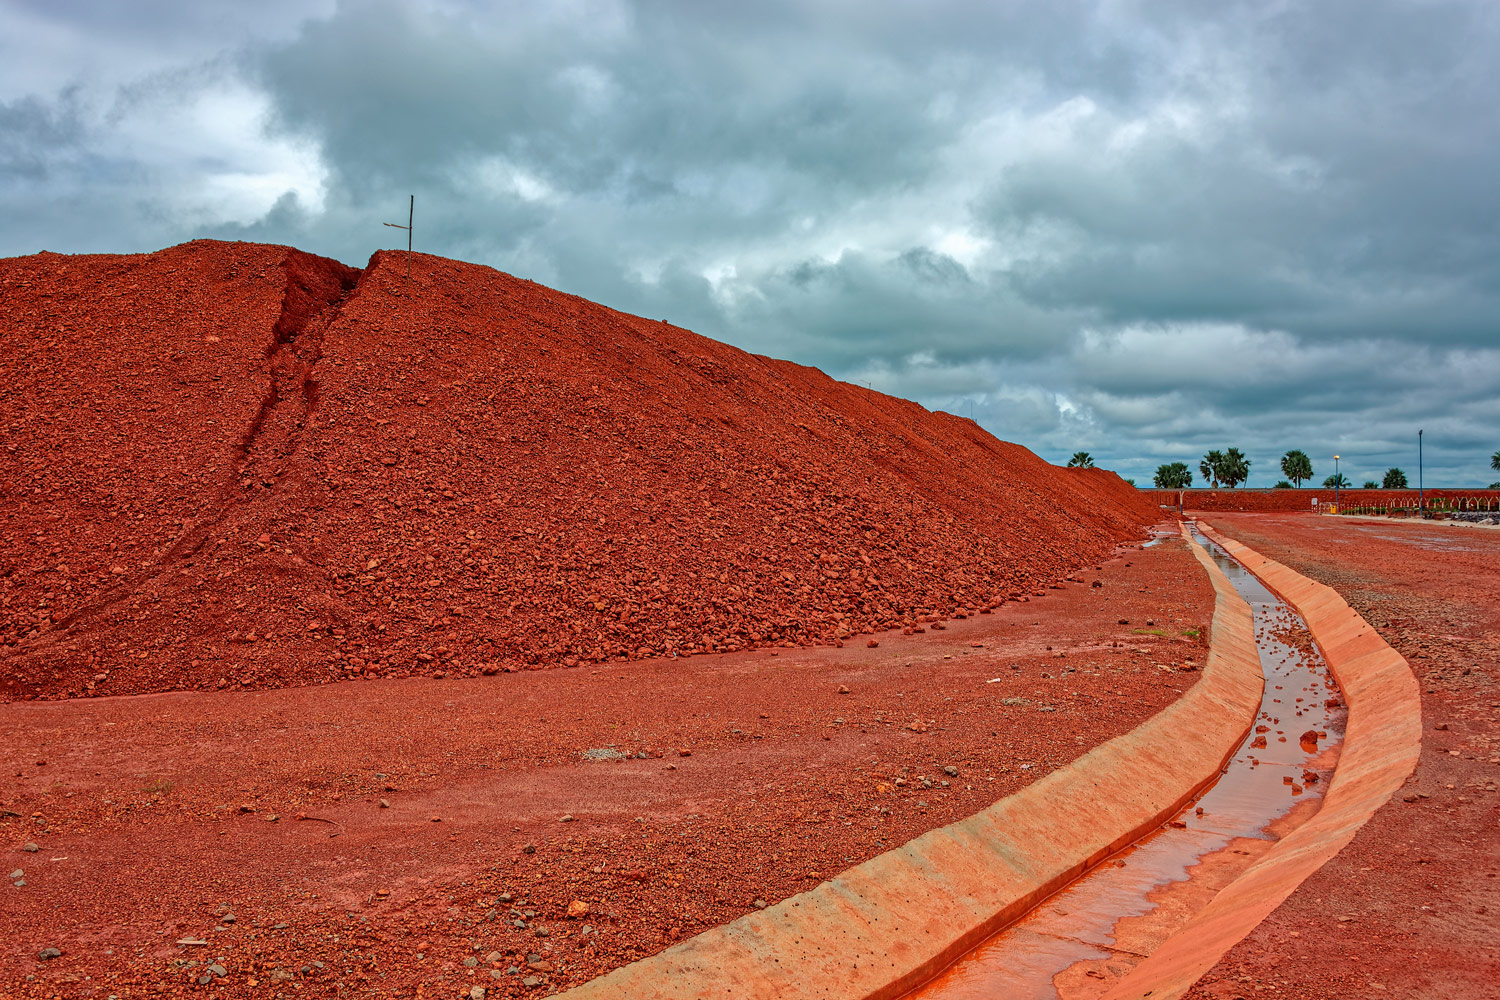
{"x": 227, "y": 464}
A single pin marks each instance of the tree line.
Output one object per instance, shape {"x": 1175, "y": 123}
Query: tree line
{"x": 1230, "y": 467}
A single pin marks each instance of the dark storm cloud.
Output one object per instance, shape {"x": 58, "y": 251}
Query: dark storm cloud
{"x": 1142, "y": 230}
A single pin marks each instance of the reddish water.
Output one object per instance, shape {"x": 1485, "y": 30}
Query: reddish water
{"x": 1259, "y": 786}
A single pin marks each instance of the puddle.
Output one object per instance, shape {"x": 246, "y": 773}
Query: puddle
{"x": 1078, "y": 930}
{"x": 1157, "y": 537}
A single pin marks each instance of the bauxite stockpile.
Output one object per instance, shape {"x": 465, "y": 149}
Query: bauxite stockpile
{"x": 233, "y": 464}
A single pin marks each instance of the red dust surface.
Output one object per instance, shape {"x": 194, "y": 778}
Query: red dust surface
{"x": 233, "y": 465}
{"x": 1410, "y": 908}
{"x": 371, "y": 837}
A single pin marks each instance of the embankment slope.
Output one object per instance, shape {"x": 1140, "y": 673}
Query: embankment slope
{"x": 233, "y": 464}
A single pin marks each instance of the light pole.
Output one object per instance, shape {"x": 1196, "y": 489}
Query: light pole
{"x": 1421, "y": 496}
{"x": 1337, "y": 480}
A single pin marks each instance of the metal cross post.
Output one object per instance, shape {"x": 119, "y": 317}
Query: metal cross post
{"x": 1421, "y": 493}
{"x": 411, "y": 211}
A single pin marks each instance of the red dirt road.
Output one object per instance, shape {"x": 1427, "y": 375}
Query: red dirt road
{"x": 153, "y": 814}
{"x": 1410, "y": 908}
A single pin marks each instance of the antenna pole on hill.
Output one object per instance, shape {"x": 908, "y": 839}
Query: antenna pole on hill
{"x": 411, "y": 211}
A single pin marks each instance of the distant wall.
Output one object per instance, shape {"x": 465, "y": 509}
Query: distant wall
{"x": 1303, "y": 499}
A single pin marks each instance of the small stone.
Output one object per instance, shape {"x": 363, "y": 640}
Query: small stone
{"x": 871, "y": 644}
{"x": 18, "y": 873}
{"x": 205, "y": 980}
{"x": 843, "y": 689}
{"x": 476, "y": 993}
{"x": 529, "y": 849}
{"x": 950, "y": 770}
{"x": 227, "y": 918}
{"x": 437, "y": 819}
{"x": 280, "y": 927}
{"x": 47, "y": 954}
{"x": 217, "y": 970}
{"x": 577, "y": 908}
{"x": 566, "y": 819}
{"x": 759, "y": 904}
{"x": 542, "y": 932}
{"x": 684, "y": 753}
{"x": 493, "y": 956}
{"x": 532, "y": 981}
{"x": 31, "y": 848}
{"x": 19, "y": 883}
{"x": 384, "y": 804}
{"x": 471, "y": 962}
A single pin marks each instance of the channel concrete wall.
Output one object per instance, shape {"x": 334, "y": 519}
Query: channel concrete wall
{"x": 1381, "y": 744}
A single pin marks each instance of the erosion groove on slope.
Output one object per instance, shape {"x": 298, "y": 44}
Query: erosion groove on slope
{"x": 884, "y": 927}
{"x": 315, "y": 290}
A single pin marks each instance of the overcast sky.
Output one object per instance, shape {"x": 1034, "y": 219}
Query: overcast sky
{"x": 1142, "y": 230}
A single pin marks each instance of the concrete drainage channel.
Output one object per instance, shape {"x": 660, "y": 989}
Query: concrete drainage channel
{"x": 892, "y": 924}
{"x": 1096, "y": 930}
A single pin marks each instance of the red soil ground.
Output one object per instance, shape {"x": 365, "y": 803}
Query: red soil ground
{"x": 241, "y": 465}
{"x": 158, "y": 817}
{"x": 1410, "y": 907}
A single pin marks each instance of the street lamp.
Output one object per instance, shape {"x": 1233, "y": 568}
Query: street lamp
{"x": 1337, "y": 479}
{"x": 1421, "y": 495}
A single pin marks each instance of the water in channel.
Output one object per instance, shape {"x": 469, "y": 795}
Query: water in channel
{"x": 1093, "y": 932}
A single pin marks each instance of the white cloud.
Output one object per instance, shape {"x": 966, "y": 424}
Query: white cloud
{"x": 1096, "y": 230}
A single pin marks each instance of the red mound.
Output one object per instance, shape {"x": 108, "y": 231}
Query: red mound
{"x": 241, "y": 464}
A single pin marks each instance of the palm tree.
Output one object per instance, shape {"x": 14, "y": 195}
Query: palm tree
{"x": 1210, "y": 466}
{"x": 1081, "y": 460}
{"x": 1173, "y": 476}
{"x": 1339, "y": 481}
{"x": 1235, "y": 469}
{"x": 1395, "y": 479}
{"x": 1296, "y": 466}
{"x": 1495, "y": 461}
